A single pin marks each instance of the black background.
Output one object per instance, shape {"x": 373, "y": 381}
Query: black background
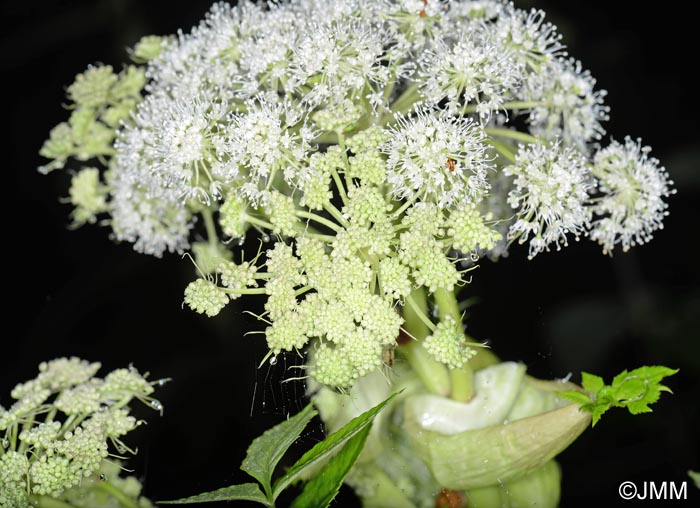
{"x": 77, "y": 293}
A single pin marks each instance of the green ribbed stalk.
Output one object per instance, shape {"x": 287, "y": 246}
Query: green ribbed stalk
{"x": 433, "y": 374}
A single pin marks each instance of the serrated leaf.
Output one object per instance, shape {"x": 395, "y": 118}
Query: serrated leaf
{"x": 638, "y": 407}
{"x": 634, "y": 390}
{"x": 265, "y": 452}
{"x": 631, "y": 388}
{"x": 619, "y": 379}
{"x": 653, "y": 373}
{"x": 591, "y": 382}
{"x": 322, "y": 450}
{"x": 242, "y": 492}
{"x": 575, "y": 396}
{"x": 322, "y": 489}
{"x": 596, "y": 410}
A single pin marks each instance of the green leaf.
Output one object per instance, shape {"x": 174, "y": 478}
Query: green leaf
{"x": 321, "y": 451}
{"x": 591, "y": 382}
{"x": 243, "y": 492}
{"x": 576, "y": 396}
{"x": 596, "y": 410}
{"x": 321, "y": 490}
{"x": 266, "y": 451}
{"x": 634, "y": 390}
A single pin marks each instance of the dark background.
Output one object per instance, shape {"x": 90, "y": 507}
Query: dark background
{"x": 77, "y": 293}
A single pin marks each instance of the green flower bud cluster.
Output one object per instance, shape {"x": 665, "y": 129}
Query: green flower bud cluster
{"x": 101, "y": 101}
{"x": 343, "y": 293}
{"x": 88, "y": 195}
{"x": 55, "y": 439}
{"x": 448, "y": 345}
{"x": 149, "y": 47}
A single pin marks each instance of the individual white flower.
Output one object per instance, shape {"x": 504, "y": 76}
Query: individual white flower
{"x": 532, "y": 39}
{"x": 153, "y": 225}
{"x": 570, "y": 107}
{"x": 339, "y": 60}
{"x": 550, "y": 192}
{"x": 632, "y": 189}
{"x": 423, "y": 8}
{"x": 269, "y": 142}
{"x": 210, "y": 55}
{"x": 267, "y": 49}
{"x": 436, "y": 158}
{"x": 467, "y": 10}
{"x": 478, "y": 68}
{"x": 173, "y": 144}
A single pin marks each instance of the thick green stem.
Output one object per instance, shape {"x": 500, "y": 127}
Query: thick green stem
{"x": 211, "y": 227}
{"x": 248, "y": 291}
{"x": 346, "y": 161}
{"x": 26, "y": 426}
{"x": 335, "y": 213}
{"x": 513, "y": 105}
{"x": 49, "y": 502}
{"x": 416, "y": 304}
{"x": 433, "y": 373}
{"x": 13, "y": 437}
{"x": 447, "y": 304}
{"x": 407, "y": 99}
{"x": 324, "y": 238}
{"x": 403, "y": 208}
{"x": 462, "y": 379}
{"x": 117, "y": 494}
{"x": 259, "y": 222}
{"x": 503, "y": 149}
{"x": 340, "y": 186}
{"x": 500, "y": 132}
{"x": 317, "y": 218}
{"x": 327, "y": 138}
{"x": 462, "y": 383}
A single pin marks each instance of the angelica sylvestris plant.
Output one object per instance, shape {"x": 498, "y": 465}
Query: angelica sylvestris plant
{"x": 61, "y": 440}
{"x": 379, "y": 149}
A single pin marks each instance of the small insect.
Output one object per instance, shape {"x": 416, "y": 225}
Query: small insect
{"x": 388, "y": 357}
{"x": 451, "y": 165}
{"x": 422, "y": 12}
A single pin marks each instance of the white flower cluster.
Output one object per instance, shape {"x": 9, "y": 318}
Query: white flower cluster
{"x": 379, "y": 143}
{"x": 56, "y": 435}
